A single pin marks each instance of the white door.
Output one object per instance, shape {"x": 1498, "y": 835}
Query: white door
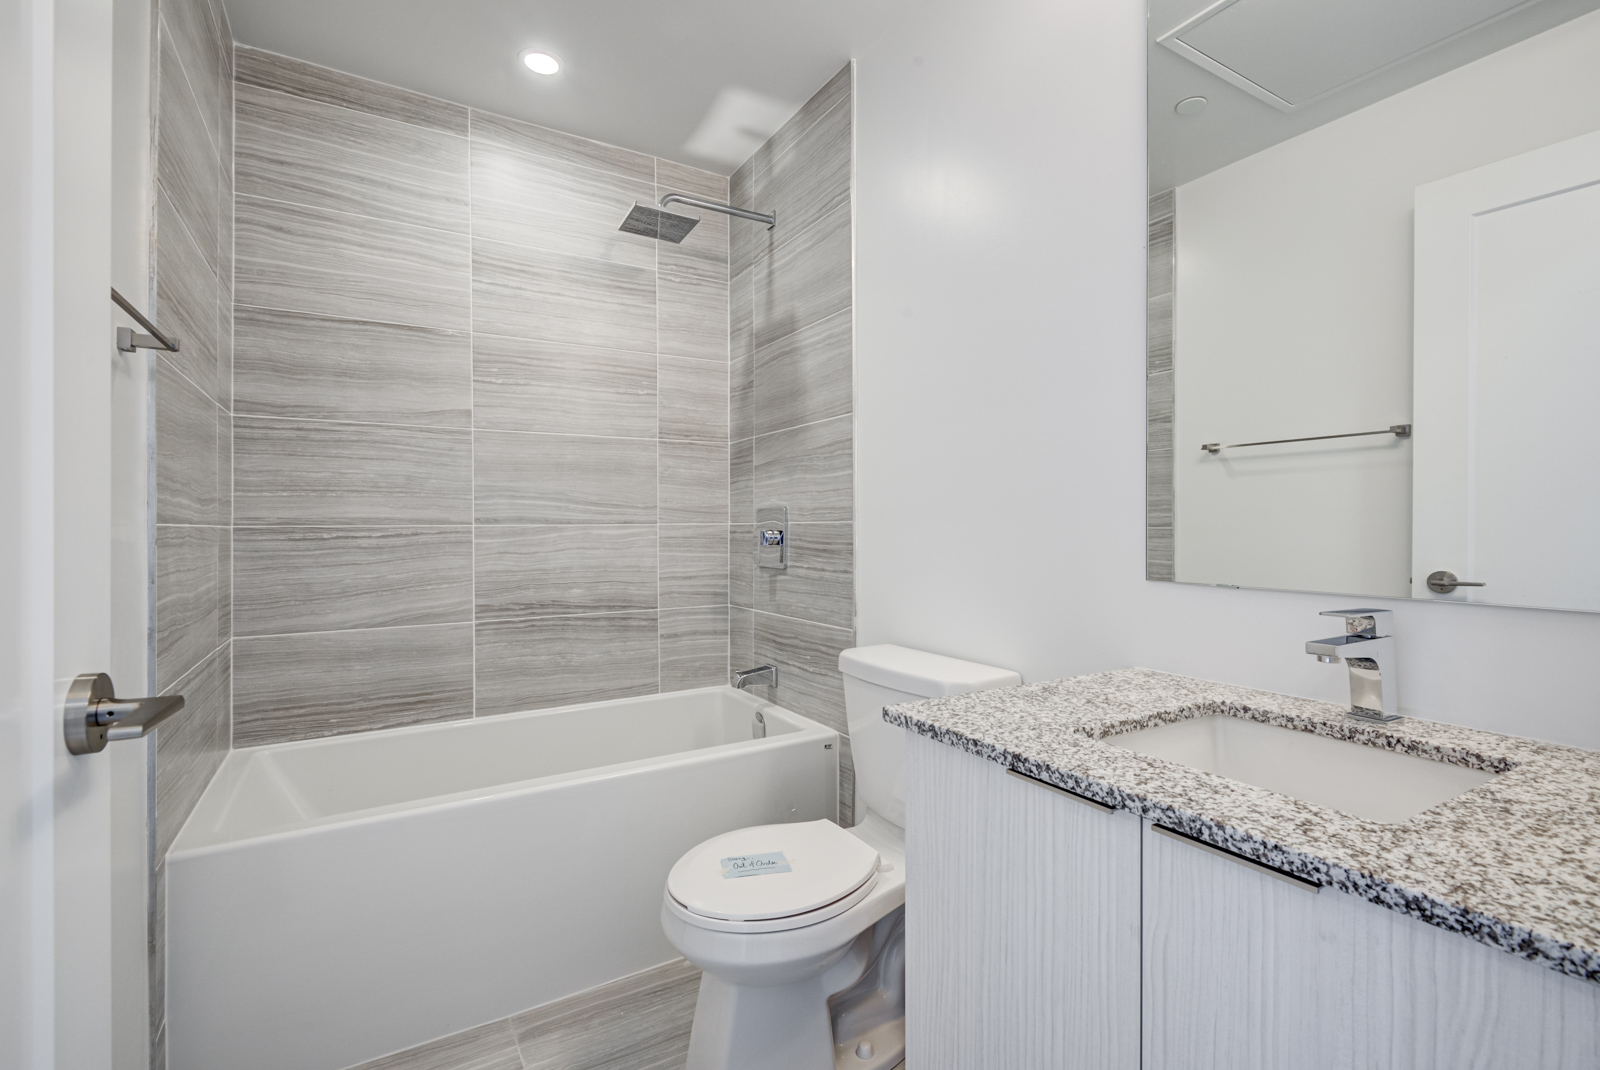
{"x": 1506, "y": 476}
{"x": 55, "y": 369}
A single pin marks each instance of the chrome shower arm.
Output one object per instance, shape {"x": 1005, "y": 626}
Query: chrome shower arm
{"x": 726, "y": 209}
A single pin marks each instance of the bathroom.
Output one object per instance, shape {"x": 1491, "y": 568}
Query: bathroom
{"x": 1059, "y": 369}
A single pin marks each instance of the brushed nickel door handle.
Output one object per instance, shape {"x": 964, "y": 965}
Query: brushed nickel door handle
{"x": 93, "y": 715}
{"x": 1443, "y": 582}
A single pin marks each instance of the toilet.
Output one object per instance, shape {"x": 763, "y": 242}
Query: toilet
{"x": 799, "y": 929}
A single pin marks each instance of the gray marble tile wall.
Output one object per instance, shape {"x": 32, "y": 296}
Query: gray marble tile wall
{"x": 482, "y": 436}
{"x": 792, "y": 405}
{"x": 1160, "y": 399}
{"x": 191, "y": 295}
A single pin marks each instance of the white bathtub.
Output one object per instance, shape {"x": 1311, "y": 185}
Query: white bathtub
{"x": 334, "y": 900}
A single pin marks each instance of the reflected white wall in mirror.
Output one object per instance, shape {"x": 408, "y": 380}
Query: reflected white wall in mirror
{"x": 1293, "y": 316}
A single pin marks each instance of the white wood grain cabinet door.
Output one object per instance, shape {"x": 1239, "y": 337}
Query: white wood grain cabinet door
{"x": 1506, "y": 477}
{"x": 1022, "y": 922}
{"x": 1243, "y": 971}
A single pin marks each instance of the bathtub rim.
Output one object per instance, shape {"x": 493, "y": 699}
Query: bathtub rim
{"x": 807, "y": 730}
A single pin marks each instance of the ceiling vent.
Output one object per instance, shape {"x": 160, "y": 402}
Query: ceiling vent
{"x": 1289, "y": 53}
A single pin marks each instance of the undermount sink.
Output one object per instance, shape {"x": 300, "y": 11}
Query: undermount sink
{"x": 1365, "y": 782}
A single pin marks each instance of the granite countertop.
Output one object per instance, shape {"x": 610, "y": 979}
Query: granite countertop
{"x": 1514, "y": 863}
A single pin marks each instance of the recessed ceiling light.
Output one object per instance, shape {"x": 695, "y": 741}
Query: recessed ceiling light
{"x": 540, "y": 62}
{"x": 1190, "y": 106}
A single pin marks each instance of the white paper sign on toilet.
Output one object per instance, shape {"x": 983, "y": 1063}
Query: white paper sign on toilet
{"x": 754, "y": 865}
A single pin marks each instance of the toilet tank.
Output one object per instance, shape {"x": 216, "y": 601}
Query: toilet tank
{"x": 879, "y": 676}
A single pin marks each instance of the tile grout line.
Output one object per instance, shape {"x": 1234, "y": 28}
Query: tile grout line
{"x": 472, "y": 428}
{"x": 797, "y": 427}
{"x": 655, "y": 190}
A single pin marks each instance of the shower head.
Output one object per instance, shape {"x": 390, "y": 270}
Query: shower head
{"x": 655, "y": 222}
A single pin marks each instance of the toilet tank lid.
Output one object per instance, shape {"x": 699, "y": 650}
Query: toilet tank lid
{"x": 918, "y": 672}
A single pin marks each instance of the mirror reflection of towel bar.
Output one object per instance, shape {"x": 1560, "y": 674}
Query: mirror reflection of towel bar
{"x": 1397, "y": 430}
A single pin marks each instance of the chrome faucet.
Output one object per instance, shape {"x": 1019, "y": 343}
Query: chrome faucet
{"x": 743, "y": 678}
{"x": 1367, "y": 647}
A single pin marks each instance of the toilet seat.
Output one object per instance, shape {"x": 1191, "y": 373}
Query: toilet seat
{"x": 828, "y": 871}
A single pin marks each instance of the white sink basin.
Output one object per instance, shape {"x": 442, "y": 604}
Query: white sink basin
{"x": 1379, "y": 785}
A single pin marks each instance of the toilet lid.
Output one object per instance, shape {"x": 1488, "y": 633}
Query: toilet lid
{"x": 771, "y": 871}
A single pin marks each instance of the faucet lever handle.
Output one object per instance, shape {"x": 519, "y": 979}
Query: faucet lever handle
{"x": 1368, "y": 623}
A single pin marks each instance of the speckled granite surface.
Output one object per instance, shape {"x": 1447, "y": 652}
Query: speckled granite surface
{"x": 1514, "y": 863}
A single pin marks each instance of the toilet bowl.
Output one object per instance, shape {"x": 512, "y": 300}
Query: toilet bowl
{"x": 798, "y": 928}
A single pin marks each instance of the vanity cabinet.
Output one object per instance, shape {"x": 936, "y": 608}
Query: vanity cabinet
{"x": 1044, "y": 932}
{"x": 1022, "y": 922}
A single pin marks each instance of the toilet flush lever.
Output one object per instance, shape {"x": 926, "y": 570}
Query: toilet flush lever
{"x": 93, "y": 715}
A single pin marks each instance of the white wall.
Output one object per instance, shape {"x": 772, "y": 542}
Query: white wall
{"x": 1294, "y": 318}
{"x": 1000, "y": 393}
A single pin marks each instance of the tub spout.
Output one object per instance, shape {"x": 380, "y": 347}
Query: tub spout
{"x": 743, "y": 678}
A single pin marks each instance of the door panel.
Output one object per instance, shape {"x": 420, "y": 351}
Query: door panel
{"x": 1506, "y": 490}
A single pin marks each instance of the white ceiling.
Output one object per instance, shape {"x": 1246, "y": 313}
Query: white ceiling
{"x": 637, "y": 73}
{"x": 1335, "y": 39}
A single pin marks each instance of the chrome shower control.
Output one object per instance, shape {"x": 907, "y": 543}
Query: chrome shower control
{"x": 772, "y": 536}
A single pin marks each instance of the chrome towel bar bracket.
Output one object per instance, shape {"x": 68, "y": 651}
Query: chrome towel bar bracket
{"x": 1397, "y": 430}
{"x": 129, "y": 340}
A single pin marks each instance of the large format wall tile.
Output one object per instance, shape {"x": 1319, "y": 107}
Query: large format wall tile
{"x": 694, "y": 399}
{"x": 807, "y": 657}
{"x": 819, "y": 584}
{"x": 193, "y": 31}
{"x": 539, "y": 662}
{"x": 526, "y": 293}
{"x": 742, "y": 565}
{"x": 192, "y": 600}
{"x": 743, "y": 241}
{"x": 805, "y": 279}
{"x": 189, "y": 469}
{"x": 809, "y": 681}
{"x": 271, "y": 71}
{"x": 694, "y": 647}
{"x": 811, "y": 177}
{"x": 328, "y": 683}
{"x": 741, "y": 482}
{"x": 191, "y": 744}
{"x": 704, "y": 253}
{"x": 560, "y": 148}
{"x": 319, "y": 367}
{"x": 694, "y": 482}
{"x": 307, "y": 579}
{"x": 186, "y": 154}
{"x": 187, "y": 296}
{"x": 564, "y": 569}
{"x": 694, "y": 565}
{"x": 838, "y": 89}
{"x": 291, "y": 148}
{"x": 541, "y": 203}
{"x": 564, "y": 479}
{"x": 809, "y": 469}
{"x": 314, "y": 260}
{"x": 805, "y": 376}
{"x": 526, "y": 385}
{"x": 741, "y": 639}
{"x": 312, "y": 472}
{"x": 693, "y": 316}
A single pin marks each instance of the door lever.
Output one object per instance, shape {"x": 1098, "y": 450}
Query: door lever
{"x": 93, "y": 715}
{"x": 1444, "y": 582}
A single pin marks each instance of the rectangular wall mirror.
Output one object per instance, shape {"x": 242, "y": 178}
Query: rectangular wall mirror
{"x": 1374, "y": 298}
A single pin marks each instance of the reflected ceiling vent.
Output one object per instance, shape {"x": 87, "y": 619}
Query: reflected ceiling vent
{"x": 1289, "y": 53}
